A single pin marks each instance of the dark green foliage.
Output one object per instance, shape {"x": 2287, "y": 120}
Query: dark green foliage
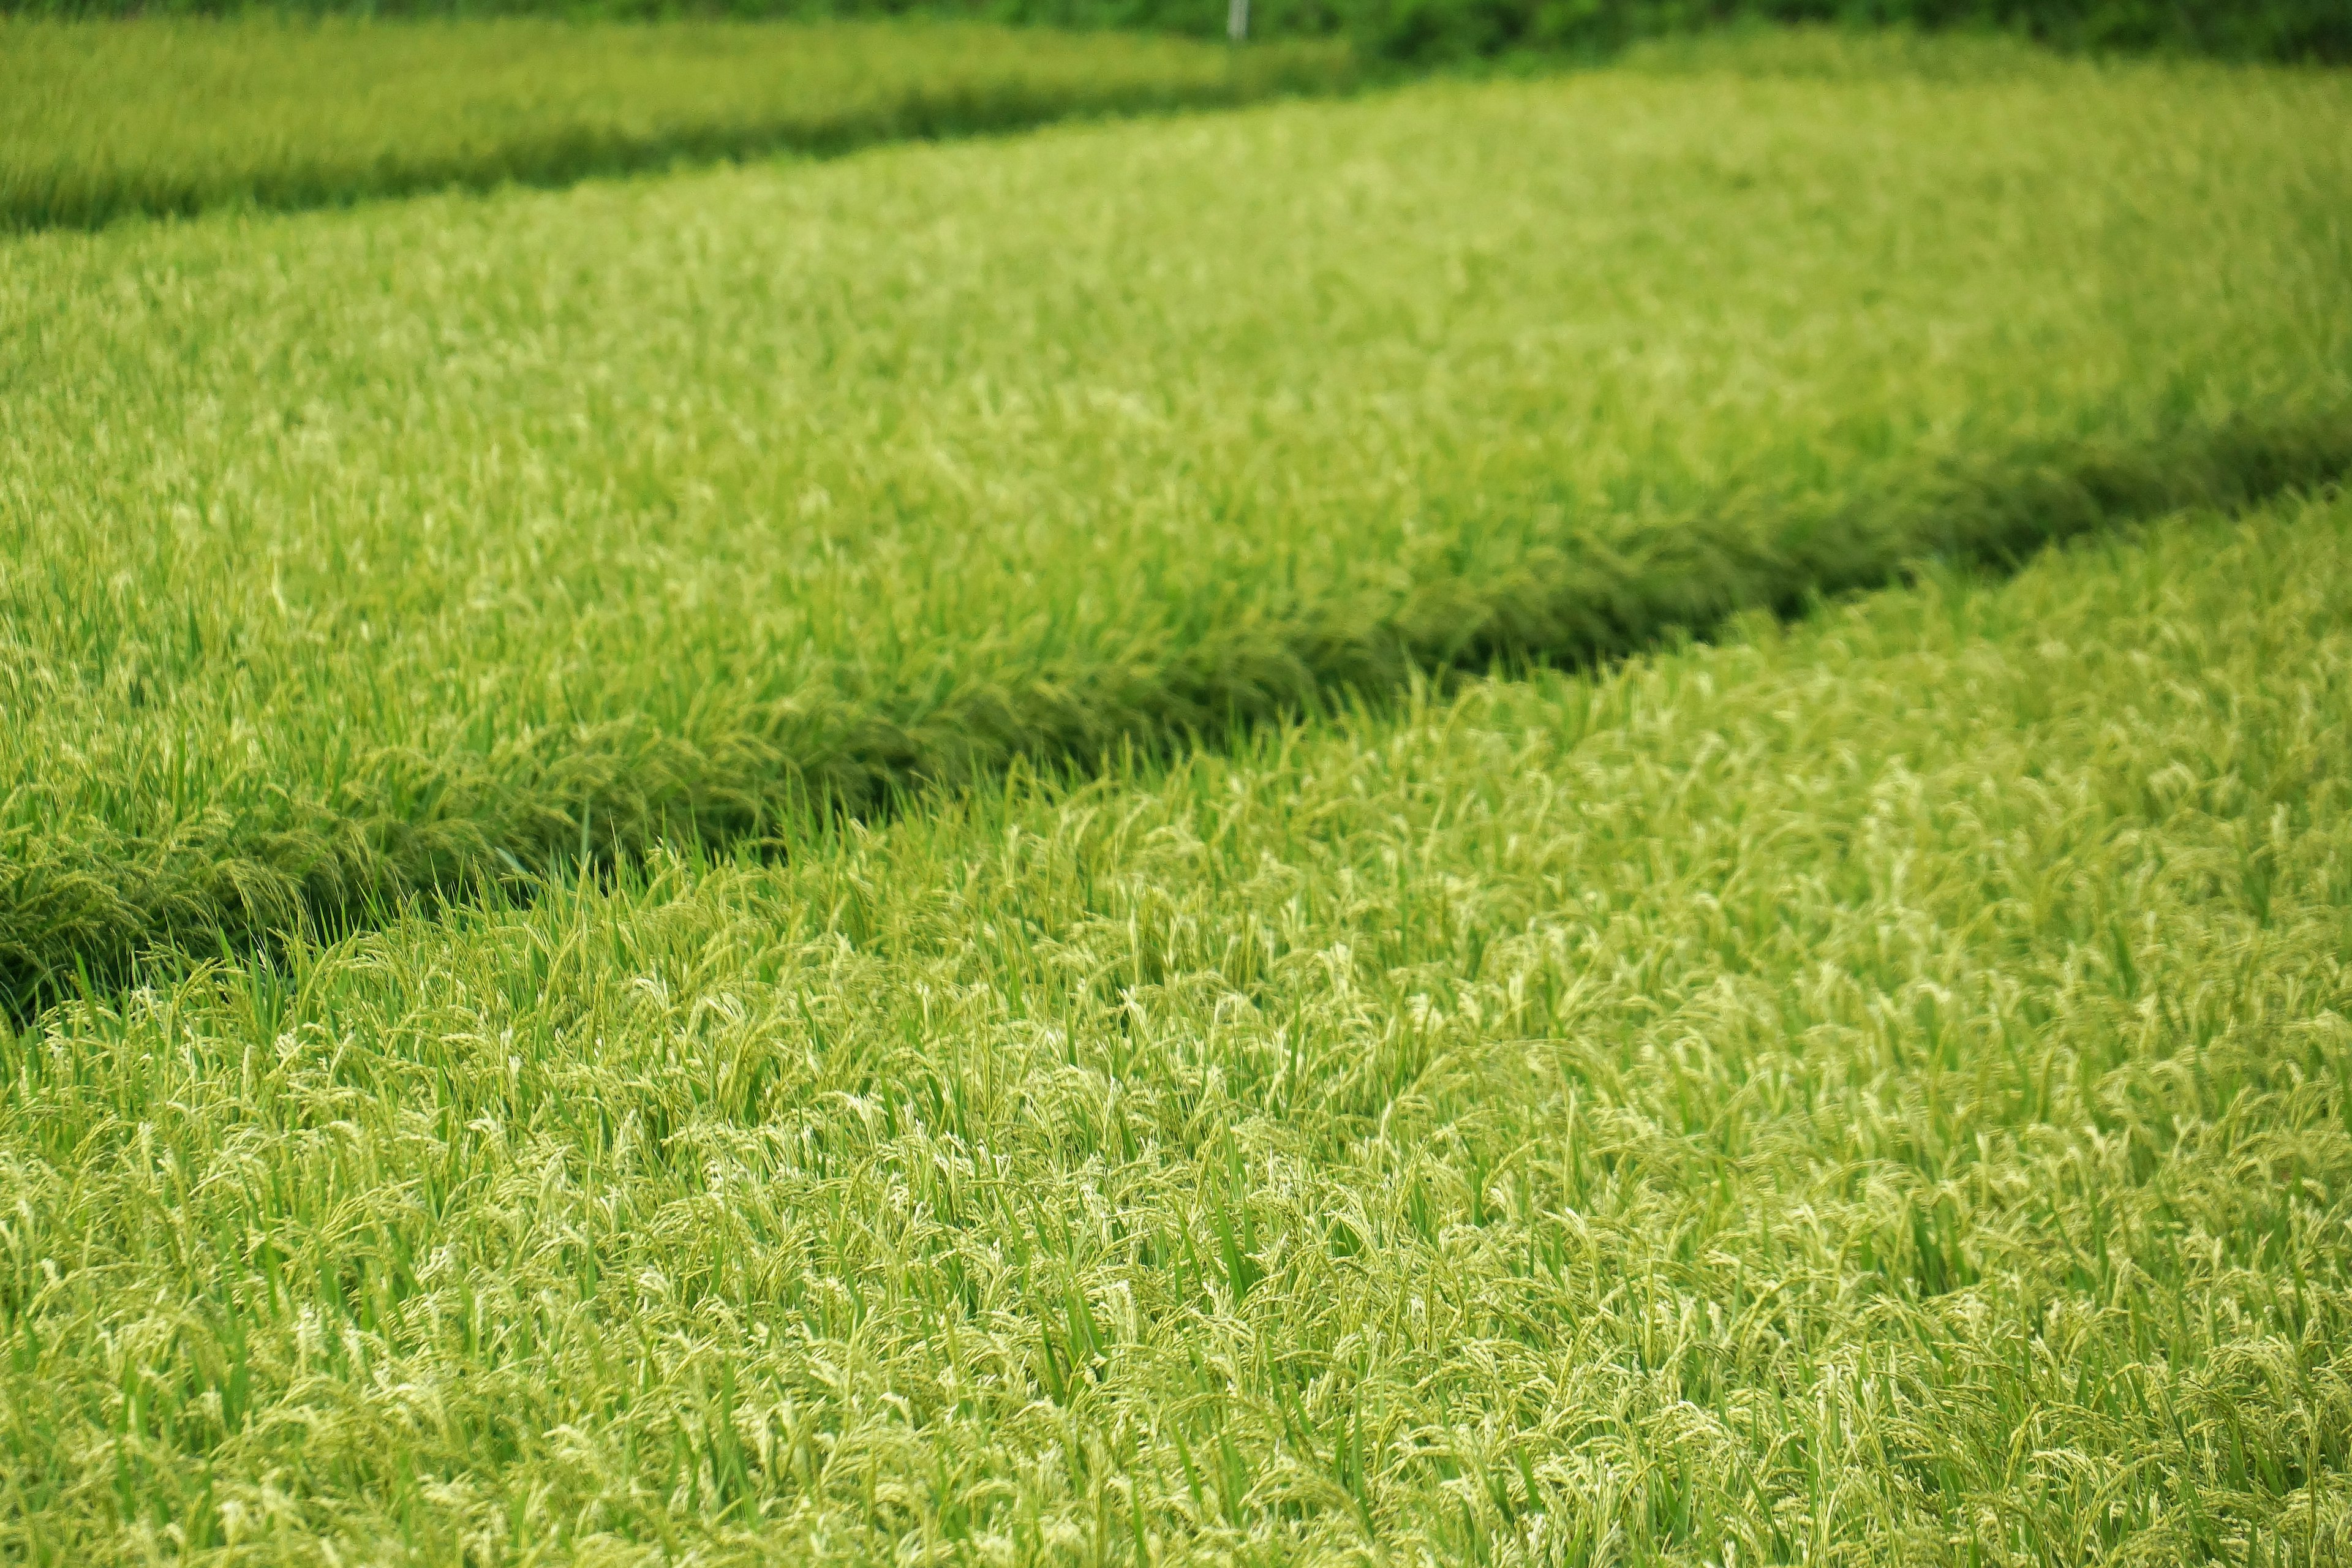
{"x": 2234, "y": 29}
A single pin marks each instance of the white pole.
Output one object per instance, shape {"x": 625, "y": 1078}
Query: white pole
{"x": 1237, "y": 19}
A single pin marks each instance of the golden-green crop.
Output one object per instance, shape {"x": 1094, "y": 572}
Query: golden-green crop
{"x": 872, "y": 861}
{"x": 1871, "y": 1091}
{"x": 103, "y": 120}
{"x": 355, "y": 555}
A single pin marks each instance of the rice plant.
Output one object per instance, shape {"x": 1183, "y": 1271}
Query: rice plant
{"x": 1869, "y": 1090}
{"x": 355, "y": 557}
{"x": 105, "y": 120}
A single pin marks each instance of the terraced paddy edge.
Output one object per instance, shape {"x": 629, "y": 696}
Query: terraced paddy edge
{"x": 361, "y": 555}
{"x": 100, "y": 121}
{"x": 1871, "y": 1089}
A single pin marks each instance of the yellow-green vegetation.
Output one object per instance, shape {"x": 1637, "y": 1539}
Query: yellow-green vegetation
{"x": 1022, "y": 852}
{"x": 100, "y": 120}
{"x": 1429, "y": 31}
{"x": 355, "y": 555}
{"x": 1873, "y": 1090}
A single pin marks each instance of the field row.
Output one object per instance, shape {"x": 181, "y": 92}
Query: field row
{"x": 104, "y": 121}
{"x": 1428, "y": 32}
{"x": 1874, "y": 1089}
{"x": 361, "y": 554}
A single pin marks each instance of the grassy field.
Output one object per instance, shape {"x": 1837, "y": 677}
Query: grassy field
{"x": 103, "y": 119}
{"x": 355, "y": 555}
{"x": 1871, "y": 1091}
{"x": 1601, "y": 820}
{"x": 1424, "y": 32}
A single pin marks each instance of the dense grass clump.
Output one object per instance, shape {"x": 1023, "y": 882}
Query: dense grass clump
{"x": 1872, "y": 1090}
{"x": 101, "y": 120}
{"x": 376, "y": 553}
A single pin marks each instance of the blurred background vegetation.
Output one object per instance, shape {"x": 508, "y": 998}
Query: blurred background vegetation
{"x": 1418, "y": 31}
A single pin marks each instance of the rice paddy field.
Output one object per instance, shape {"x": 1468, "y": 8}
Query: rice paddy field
{"x": 1597, "y": 818}
{"x": 101, "y": 120}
